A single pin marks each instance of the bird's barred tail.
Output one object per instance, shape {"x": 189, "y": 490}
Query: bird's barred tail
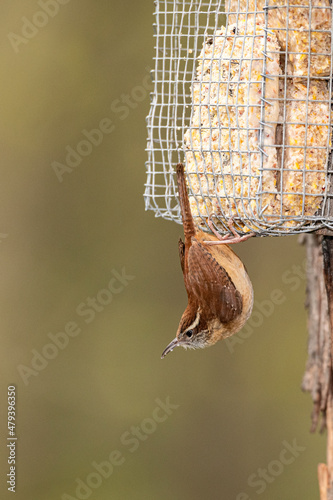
{"x": 189, "y": 229}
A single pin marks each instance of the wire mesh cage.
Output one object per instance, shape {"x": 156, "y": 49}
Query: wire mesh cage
{"x": 243, "y": 96}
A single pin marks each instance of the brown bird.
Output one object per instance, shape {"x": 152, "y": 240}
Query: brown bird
{"x": 220, "y": 294}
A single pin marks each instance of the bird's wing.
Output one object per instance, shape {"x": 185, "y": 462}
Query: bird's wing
{"x": 211, "y": 284}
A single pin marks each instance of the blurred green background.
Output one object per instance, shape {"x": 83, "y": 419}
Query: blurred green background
{"x": 233, "y": 406}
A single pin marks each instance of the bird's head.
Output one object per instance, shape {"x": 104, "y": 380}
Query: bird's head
{"x": 194, "y": 331}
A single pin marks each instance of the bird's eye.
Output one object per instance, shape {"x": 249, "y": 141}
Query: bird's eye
{"x": 189, "y": 333}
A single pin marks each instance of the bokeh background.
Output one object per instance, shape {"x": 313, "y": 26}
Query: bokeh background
{"x": 233, "y": 406}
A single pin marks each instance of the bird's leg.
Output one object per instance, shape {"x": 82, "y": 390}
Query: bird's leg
{"x": 227, "y": 239}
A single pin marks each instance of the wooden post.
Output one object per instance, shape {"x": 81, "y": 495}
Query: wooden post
{"x": 318, "y": 375}
{"x": 327, "y": 246}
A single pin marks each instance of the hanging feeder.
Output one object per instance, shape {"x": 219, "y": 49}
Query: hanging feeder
{"x": 242, "y": 97}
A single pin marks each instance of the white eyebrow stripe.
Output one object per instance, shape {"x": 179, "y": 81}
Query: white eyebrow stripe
{"x": 195, "y": 323}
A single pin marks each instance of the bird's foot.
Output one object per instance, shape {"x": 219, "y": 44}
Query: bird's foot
{"x": 227, "y": 239}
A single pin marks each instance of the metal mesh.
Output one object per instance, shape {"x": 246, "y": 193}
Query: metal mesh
{"x": 242, "y": 96}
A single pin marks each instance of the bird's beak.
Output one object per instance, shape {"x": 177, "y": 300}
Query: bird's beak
{"x": 170, "y": 347}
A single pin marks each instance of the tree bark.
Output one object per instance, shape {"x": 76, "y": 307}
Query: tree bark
{"x": 318, "y": 374}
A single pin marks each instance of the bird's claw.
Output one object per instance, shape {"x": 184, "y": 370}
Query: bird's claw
{"x": 227, "y": 239}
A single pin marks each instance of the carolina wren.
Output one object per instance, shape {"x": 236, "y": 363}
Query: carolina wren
{"x": 219, "y": 290}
